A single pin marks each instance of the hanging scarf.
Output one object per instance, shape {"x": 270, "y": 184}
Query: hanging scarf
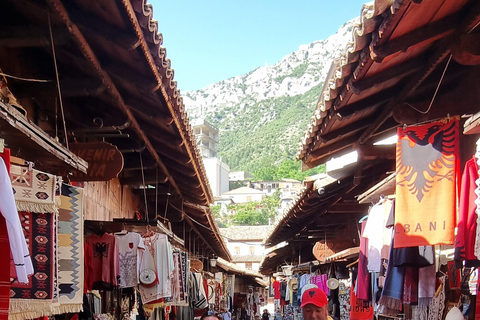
{"x": 410, "y": 286}
{"x": 427, "y": 168}
{"x": 391, "y": 298}
{"x": 426, "y": 285}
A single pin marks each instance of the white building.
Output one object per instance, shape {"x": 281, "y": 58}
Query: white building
{"x": 245, "y": 244}
{"x": 217, "y": 174}
{"x": 206, "y": 136}
{"x": 240, "y": 176}
{"x": 244, "y": 194}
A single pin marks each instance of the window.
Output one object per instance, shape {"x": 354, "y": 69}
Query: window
{"x": 248, "y": 265}
{"x": 251, "y": 249}
{"x": 249, "y": 198}
{"x": 237, "y": 250}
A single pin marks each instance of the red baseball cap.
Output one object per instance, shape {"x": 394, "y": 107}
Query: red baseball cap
{"x": 314, "y": 296}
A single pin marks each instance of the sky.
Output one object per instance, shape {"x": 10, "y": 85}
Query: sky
{"x": 208, "y": 41}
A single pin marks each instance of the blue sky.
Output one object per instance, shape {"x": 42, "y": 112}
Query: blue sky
{"x": 209, "y": 41}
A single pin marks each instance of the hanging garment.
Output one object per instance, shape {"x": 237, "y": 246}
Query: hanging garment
{"x": 344, "y": 287}
{"x": 16, "y": 238}
{"x": 130, "y": 249}
{"x": 392, "y": 294}
{"x": 363, "y": 278}
{"x": 105, "y": 261}
{"x": 410, "y": 286}
{"x": 467, "y": 218}
{"x": 158, "y": 256}
{"x": 437, "y": 305}
{"x": 426, "y": 285}
{"x": 4, "y": 271}
{"x": 427, "y": 168}
{"x": 88, "y": 267}
{"x": 359, "y": 309}
{"x": 379, "y": 237}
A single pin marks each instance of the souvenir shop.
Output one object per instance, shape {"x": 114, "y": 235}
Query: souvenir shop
{"x": 246, "y": 291}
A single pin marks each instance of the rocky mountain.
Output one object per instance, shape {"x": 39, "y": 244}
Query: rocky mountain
{"x": 261, "y": 115}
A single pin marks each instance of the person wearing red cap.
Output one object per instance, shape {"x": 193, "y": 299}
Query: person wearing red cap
{"x": 314, "y": 305}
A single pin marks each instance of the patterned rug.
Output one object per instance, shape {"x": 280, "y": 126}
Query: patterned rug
{"x": 36, "y": 298}
{"x": 70, "y": 249}
{"x": 34, "y": 190}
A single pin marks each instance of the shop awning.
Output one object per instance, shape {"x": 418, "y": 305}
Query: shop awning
{"x": 407, "y": 62}
{"x": 383, "y": 188}
{"x": 32, "y": 143}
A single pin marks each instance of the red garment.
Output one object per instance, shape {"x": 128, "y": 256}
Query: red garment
{"x": 6, "y": 158}
{"x": 88, "y": 266}
{"x": 467, "y": 218}
{"x": 363, "y": 282}
{"x": 276, "y": 289}
{"x": 359, "y": 309}
{"x": 4, "y": 270}
{"x": 105, "y": 261}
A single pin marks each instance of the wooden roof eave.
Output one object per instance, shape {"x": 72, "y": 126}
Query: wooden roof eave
{"x": 165, "y": 84}
{"x": 88, "y": 53}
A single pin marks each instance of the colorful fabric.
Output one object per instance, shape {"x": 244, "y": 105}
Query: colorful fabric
{"x": 344, "y": 287}
{"x": 70, "y": 250}
{"x": 467, "y": 218}
{"x": 427, "y": 168}
{"x": 34, "y": 190}
{"x": 426, "y": 285}
{"x": 35, "y": 299}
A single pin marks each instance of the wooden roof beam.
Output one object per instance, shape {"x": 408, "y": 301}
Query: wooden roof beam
{"x": 71, "y": 87}
{"x": 32, "y": 36}
{"x": 98, "y": 27}
{"x": 129, "y": 77}
{"x": 431, "y": 31}
{"x": 87, "y": 51}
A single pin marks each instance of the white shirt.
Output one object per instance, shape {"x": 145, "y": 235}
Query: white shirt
{"x": 130, "y": 248}
{"x": 18, "y": 245}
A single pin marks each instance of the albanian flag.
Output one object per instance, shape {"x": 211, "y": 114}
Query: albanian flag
{"x": 427, "y": 168}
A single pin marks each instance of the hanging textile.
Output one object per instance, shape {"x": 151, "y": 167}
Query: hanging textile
{"x": 105, "y": 261}
{"x": 359, "y": 309}
{"x": 16, "y": 238}
{"x": 437, "y": 305}
{"x": 410, "y": 286}
{"x": 34, "y": 190}
{"x": 130, "y": 249}
{"x": 477, "y": 202}
{"x": 344, "y": 287}
{"x": 379, "y": 237}
{"x": 36, "y": 298}
{"x": 363, "y": 291}
{"x": 426, "y": 285}
{"x": 467, "y": 218}
{"x": 4, "y": 270}
{"x": 158, "y": 256}
{"x": 391, "y": 300}
{"x": 427, "y": 168}
{"x": 70, "y": 250}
